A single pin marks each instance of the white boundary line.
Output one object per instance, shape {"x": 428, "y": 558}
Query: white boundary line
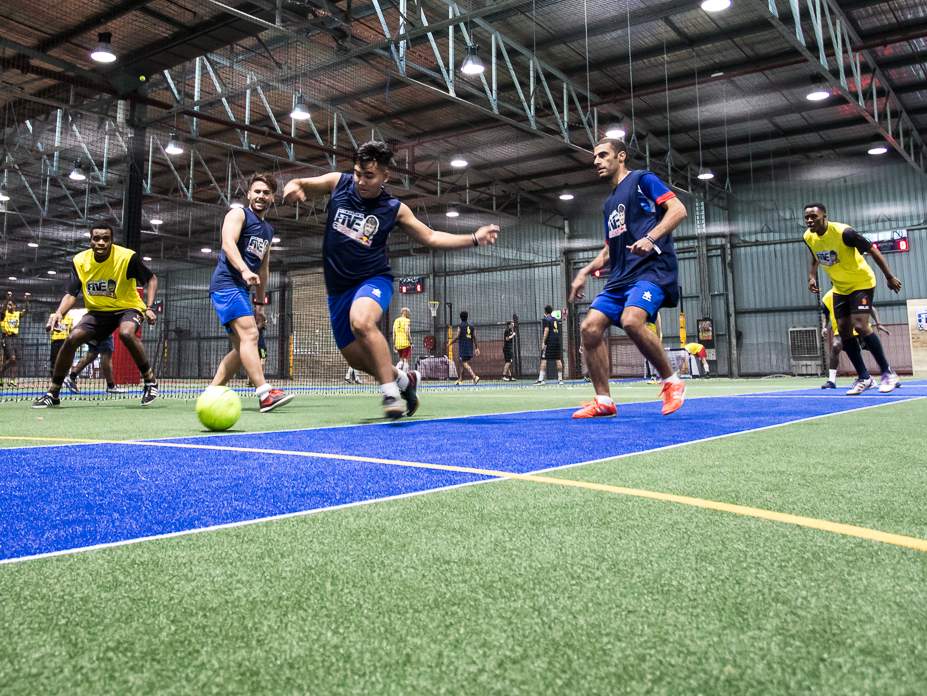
{"x": 304, "y": 513}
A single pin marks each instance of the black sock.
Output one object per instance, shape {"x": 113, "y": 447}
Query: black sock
{"x": 110, "y": 385}
{"x": 851, "y": 348}
{"x": 57, "y": 382}
{"x": 874, "y": 345}
{"x": 72, "y": 375}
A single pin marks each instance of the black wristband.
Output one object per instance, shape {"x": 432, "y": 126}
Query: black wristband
{"x": 476, "y": 242}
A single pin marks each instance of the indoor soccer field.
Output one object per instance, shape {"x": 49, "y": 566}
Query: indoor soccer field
{"x": 489, "y": 545}
{"x": 463, "y": 347}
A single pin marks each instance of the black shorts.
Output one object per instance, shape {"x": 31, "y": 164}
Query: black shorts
{"x": 101, "y": 325}
{"x": 508, "y": 355}
{"x": 552, "y": 351}
{"x": 857, "y": 302}
{"x": 12, "y": 347}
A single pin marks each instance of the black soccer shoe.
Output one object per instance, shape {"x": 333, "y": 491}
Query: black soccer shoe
{"x": 149, "y": 393}
{"x": 46, "y": 400}
{"x": 409, "y": 392}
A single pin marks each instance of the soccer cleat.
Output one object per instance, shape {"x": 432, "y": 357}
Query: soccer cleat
{"x": 409, "y": 392}
{"x": 273, "y": 399}
{"x": 348, "y": 380}
{"x": 116, "y": 390}
{"x": 673, "y": 395}
{"x": 540, "y": 381}
{"x": 828, "y": 385}
{"x": 393, "y": 408}
{"x": 594, "y": 409}
{"x": 71, "y": 385}
{"x": 149, "y": 393}
{"x": 559, "y": 381}
{"x": 888, "y": 382}
{"x": 46, "y": 400}
{"x": 860, "y": 385}
{"x": 12, "y": 383}
{"x": 476, "y": 380}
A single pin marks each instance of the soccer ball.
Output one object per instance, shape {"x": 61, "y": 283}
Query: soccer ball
{"x": 218, "y": 408}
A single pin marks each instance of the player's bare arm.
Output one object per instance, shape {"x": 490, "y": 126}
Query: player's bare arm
{"x": 422, "y": 233}
{"x": 151, "y": 289}
{"x": 675, "y": 213}
{"x": 579, "y": 282}
{"x": 813, "y": 274}
{"x": 67, "y": 302}
{"x": 893, "y": 283}
{"x": 299, "y": 190}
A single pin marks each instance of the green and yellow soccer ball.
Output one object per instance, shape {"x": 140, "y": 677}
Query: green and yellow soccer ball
{"x": 218, "y": 408}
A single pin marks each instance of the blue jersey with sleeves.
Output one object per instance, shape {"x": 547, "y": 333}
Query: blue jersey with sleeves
{"x": 356, "y": 234}
{"x": 253, "y": 244}
{"x": 631, "y": 211}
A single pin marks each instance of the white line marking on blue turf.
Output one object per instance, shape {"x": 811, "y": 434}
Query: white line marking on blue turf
{"x": 371, "y": 501}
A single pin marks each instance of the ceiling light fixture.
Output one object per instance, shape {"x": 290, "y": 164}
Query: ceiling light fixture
{"x": 12, "y": 278}
{"x": 458, "y": 162}
{"x": 103, "y": 53}
{"x": 77, "y": 173}
{"x": 146, "y": 258}
{"x": 156, "y": 220}
{"x": 173, "y": 145}
{"x": 819, "y": 90}
{"x": 567, "y": 196}
{"x": 236, "y": 204}
{"x": 452, "y": 213}
{"x": 877, "y": 148}
{"x": 615, "y": 132}
{"x": 52, "y": 272}
{"x": 706, "y": 174}
{"x": 32, "y": 245}
{"x": 275, "y": 240}
{"x": 206, "y": 250}
{"x": 299, "y": 112}
{"x": 472, "y": 65}
{"x": 715, "y": 5}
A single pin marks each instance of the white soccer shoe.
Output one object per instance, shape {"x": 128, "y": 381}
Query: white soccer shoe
{"x": 888, "y": 383}
{"x": 860, "y": 385}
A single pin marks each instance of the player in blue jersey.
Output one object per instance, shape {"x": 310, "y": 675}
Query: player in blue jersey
{"x": 244, "y": 263}
{"x": 465, "y": 338}
{"x": 361, "y": 216}
{"x": 640, "y": 216}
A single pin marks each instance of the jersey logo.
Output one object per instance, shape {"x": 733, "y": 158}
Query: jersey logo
{"x": 648, "y": 296}
{"x": 377, "y": 292}
{"x": 102, "y": 288}
{"x": 616, "y": 222}
{"x": 355, "y": 225}
{"x": 257, "y": 246}
{"x": 827, "y": 258}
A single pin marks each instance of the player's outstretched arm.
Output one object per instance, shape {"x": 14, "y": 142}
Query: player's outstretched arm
{"x": 422, "y": 233}
{"x": 298, "y": 190}
{"x": 893, "y": 283}
{"x": 579, "y": 282}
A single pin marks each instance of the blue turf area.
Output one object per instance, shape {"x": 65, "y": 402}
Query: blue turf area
{"x": 58, "y": 498}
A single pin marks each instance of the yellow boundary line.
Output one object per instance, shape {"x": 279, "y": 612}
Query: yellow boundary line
{"x": 909, "y": 542}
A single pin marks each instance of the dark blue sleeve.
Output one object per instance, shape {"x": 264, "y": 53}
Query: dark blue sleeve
{"x": 652, "y": 187}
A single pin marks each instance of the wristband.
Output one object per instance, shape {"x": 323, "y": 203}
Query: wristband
{"x": 650, "y": 239}
{"x": 476, "y": 242}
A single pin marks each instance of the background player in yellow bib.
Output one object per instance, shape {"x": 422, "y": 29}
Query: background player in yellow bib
{"x": 106, "y": 275}
{"x": 402, "y": 339}
{"x": 11, "y": 320}
{"x": 59, "y": 334}
{"x": 697, "y": 350}
{"x": 839, "y": 249}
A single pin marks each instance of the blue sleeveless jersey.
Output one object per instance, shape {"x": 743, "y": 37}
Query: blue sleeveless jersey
{"x": 354, "y": 248}
{"x": 466, "y": 338}
{"x": 631, "y": 211}
{"x": 253, "y": 243}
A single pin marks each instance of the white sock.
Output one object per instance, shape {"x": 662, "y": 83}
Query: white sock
{"x": 559, "y": 376}
{"x": 390, "y": 389}
{"x": 832, "y": 376}
{"x": 672, "y": 379}
{"x": 603, "y": 399}
{"x": 402, "y": 381}
{"x": 262, "y": 390}
{"x": 542, "y": 376}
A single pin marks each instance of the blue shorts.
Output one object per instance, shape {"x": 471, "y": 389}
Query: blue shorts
{"x": 644, "y": 294}
{"x": 231, "y": 304}
{"x": 378, "y": 288}
{"x": 105, "y": 346}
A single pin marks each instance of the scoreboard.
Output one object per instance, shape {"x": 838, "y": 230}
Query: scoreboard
{"x": 889, "y": 241}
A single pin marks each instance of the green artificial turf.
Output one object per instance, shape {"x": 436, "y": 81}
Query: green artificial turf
{"x": 514, "y": 587}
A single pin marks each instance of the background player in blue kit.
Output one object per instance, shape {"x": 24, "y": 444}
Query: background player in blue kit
{"x": 358, "y": 279}
{"x": 640, "y": 216}
{"x": 465, "y": 338}
{"x": 244, "y": 263}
